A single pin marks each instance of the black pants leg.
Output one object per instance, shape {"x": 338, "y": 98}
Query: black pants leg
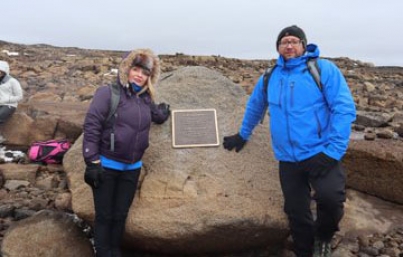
{"x": 296, "y": 182}
{"x": 112, "y": 200}
{"x": 5, "y": 113}
{"x": 330, "y": 195}
{"x": 297, "y": 198}
{"x": 125, "y": 191}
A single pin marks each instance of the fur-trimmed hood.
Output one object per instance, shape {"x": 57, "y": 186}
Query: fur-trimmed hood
{"x": 4, "y": 67}
{"x": 152, "y": 61}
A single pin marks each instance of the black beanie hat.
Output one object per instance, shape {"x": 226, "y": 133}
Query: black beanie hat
{"x": 292, "y": 31}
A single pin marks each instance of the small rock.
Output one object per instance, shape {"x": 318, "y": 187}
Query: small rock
{"x": 6, "y": 210}
{"x": 370, "y": 136}
{"x": 385, "y": 134}
{"x": 358, "y": 127}
{"x": 15, "y": 184}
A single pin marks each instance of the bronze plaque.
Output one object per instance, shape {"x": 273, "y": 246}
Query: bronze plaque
{"x": 194, "y": 128}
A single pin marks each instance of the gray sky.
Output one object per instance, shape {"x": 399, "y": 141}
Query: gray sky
{"x": 365, "y": 30}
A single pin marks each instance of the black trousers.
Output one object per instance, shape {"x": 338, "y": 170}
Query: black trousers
{"x": 112, "y": 200}
{"x": 329, "y": 193}
{"x": 5, "y": 113}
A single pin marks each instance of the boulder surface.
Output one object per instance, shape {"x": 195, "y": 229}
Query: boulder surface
{"x": 198, "y": 199}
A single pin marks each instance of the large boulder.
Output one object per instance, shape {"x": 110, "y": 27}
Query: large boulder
{"x": 41, "y": 121}
{"x": 17, "y": 129}
{"x": 203, "y": 199}
{"x": 46, "y": 234}
{"x": 365, "y": 214}
{"x": 365, "y": 219}
{"x": 376, "y": 168}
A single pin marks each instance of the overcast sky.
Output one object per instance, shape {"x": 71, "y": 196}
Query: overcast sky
{"x": 366, "y": 30}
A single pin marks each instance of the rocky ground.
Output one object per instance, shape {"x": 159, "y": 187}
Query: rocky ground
{"x": 72, "y": 74}
{"x": 50, "y": 192}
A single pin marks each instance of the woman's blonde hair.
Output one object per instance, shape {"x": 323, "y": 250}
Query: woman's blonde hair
{"x": 150, "y": 88}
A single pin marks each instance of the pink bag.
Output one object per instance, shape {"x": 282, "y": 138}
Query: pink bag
{"x": 51, "y": 151}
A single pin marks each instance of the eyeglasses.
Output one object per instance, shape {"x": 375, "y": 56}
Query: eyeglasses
{"x": 293, "y": 43}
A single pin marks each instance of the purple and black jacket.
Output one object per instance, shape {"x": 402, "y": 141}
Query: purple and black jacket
{"x": 131, "y": 126}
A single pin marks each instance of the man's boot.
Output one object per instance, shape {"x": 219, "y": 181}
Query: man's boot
{"x": 322, "y": 248}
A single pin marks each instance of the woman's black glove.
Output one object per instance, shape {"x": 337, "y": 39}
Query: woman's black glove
{"x": 234, "y": 141}
{"x": 319, "y": 164}
{"x": 164, "y": 108}
{"x": 160, "y": 113}
{"x": 93, "y": 174}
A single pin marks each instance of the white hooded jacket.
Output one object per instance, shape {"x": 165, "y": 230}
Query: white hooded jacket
{"x": 10, "y": 89}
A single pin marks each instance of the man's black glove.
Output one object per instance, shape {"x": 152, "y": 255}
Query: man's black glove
{"x": 93, "y": 174}
{"x": 319, "y": 164}
{"x": 164, "y": 108}
{"x": 234, "y": 141}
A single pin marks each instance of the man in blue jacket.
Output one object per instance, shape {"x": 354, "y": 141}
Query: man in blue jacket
{"x": 310, "y": 129}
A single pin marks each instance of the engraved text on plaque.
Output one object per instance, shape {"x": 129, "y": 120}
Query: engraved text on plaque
{"x": 194, "y": 128}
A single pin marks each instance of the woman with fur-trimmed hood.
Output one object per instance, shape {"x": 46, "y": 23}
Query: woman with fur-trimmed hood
{"x": 113, "y": 172}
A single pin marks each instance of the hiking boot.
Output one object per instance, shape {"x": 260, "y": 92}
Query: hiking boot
{"x": 322, "y": 248}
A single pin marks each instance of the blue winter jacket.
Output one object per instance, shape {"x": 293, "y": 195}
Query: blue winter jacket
{"x": 303, "y": 119}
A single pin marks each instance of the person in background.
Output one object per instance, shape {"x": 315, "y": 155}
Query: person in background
{"x": 10, "y": 94}
{"x": 310, "y": 131}
{"x": 113, "y": 173}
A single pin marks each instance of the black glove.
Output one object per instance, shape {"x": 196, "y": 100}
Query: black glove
{"x": 164, "y": 108}
{"x": 319, "y": 164}
{"x": 234, "y": 141}
{"x": 93, "y": 174}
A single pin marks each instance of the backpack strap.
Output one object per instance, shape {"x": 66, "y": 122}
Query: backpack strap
{"x": 115, "y": 98}
{"x": 314, "y": 70}
{"x": 266, "y": 79}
